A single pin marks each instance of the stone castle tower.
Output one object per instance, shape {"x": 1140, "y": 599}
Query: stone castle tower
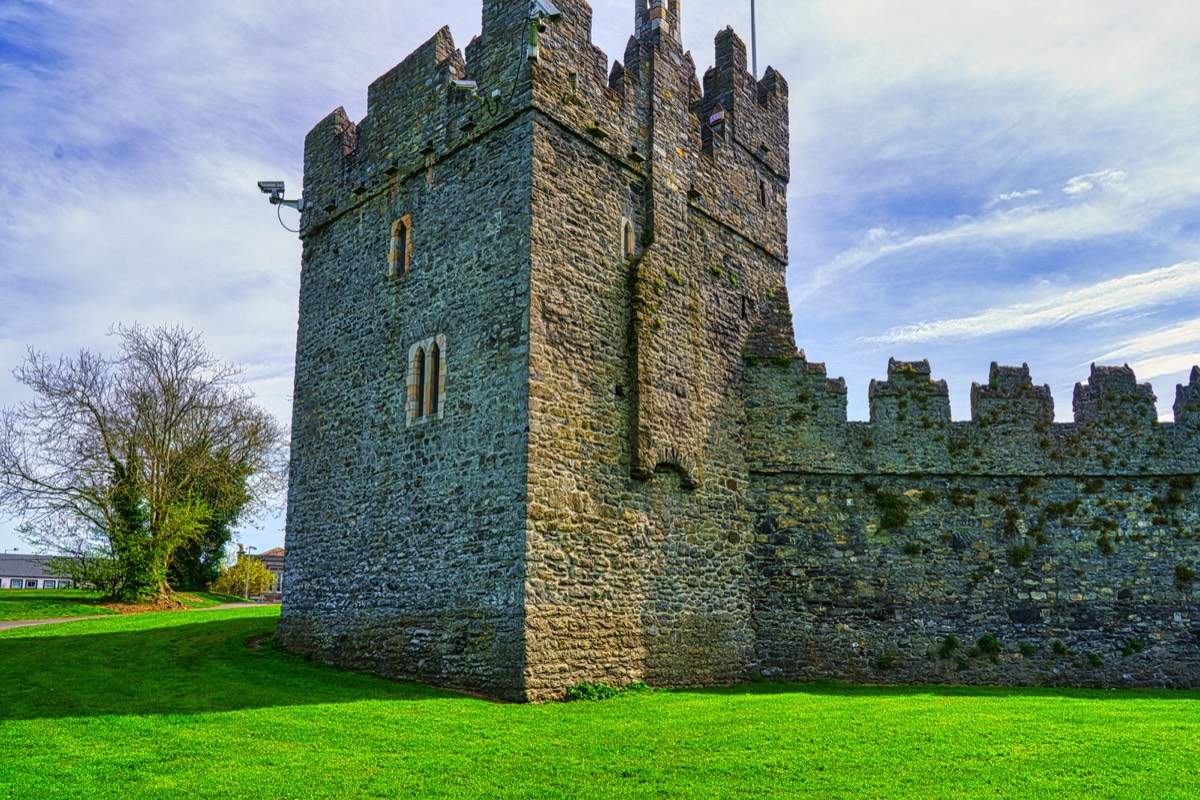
{"x": 517, "y": 454}
{"x": 550, "y": 423}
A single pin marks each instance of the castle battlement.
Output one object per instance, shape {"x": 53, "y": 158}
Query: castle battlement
{"x": 1115, "y": 431}
{"x": 1112, "y": 398}
{"x": 1009, "y": 399}
{"x": 733, "y": 147}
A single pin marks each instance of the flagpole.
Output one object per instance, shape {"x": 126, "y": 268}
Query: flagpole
{"x": 753, "y": 43}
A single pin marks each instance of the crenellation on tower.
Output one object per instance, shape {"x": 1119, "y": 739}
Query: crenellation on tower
{"x": 751, "y": 113}
{"x": 657, "y": 19}
{"x": 326, "y": 148}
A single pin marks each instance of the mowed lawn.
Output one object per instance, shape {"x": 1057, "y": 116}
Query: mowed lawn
{"x": 49, "y": 604}
{"x": 18, "y": 604}
{"x": 176, "y": 705}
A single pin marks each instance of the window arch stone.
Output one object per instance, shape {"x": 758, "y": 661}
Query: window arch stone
{"x": 426, "y": 384}
{"x": 399, "y": 247}
{"x": 627, "y": 240}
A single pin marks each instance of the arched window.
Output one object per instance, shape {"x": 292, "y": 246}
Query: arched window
{"x": 426, "y": 380}
{"x": 400, "y": 247}
{"x": 435, "y": 379}
{"x": 627, "y": 243}
{"x": 419, "y": 369}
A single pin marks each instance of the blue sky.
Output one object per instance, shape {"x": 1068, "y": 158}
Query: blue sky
{"x": 1012, "y": 181}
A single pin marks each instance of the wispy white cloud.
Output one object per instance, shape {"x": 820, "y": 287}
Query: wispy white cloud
{"x": 1082, "y": 184}
{"x": 1084, "y": 215}
{"x": 1010, "y": 196}
{"x": 1164, "y": 351}
{"x": 1120, "y": 295}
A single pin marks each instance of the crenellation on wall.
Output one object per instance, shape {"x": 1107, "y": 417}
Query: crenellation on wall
{"x": 1187, "y": 403}
{"x": 1009, "y": 399}
{"x": 795, "y": 389}
{"x": 909, "y": 396}
{"x": 1010, "y": 432}
{"x": 1112, "y": 398}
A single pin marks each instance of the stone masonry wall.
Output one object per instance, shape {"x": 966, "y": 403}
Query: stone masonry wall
{"x": 405, "y": 543}
{"x": 637, "y": 529}
{"x": 1008, "y": 549}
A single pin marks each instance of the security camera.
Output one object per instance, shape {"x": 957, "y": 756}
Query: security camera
{"x": 544, "y": 9}
{"x": 465, "y": 86}
{"x": 276, "y": 190}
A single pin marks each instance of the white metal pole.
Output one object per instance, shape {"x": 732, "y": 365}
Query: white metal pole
{"x": 753, "y": 43}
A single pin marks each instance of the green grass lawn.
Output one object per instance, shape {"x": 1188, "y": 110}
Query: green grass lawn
{"x": 49, "y": 603}
{"x": 54, "y": 603}
{"x": 175, "y": 705}
{"x": 208, "y": 599}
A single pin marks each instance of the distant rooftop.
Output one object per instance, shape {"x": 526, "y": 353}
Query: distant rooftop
{"x": 26, "y": 565}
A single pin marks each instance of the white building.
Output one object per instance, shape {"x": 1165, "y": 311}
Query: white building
{"x": 19, "y": 571}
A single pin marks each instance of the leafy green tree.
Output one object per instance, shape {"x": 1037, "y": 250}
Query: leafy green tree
{"x": 135, "y": 458}
{"x": 198, "y": 563}
{"x": 233, "y": 578}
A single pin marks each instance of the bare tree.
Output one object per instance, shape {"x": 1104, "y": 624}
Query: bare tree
{"x": 140, "y": 452}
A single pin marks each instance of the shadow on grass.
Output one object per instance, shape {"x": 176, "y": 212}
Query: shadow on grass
{"x": 191, "y": 668}
{"x": 190, "y": 663}
{"x": 946, "y": 691}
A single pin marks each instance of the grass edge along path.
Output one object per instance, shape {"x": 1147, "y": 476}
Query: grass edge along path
{"x": 175, "y": 705}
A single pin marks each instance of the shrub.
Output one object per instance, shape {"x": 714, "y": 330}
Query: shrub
{"x": 1184, "y": 576}
{"x": 988, "y": 644}
{"x": 589, "y": 690}
{"x": 892, "y": 514}
{"x": 1133, "y": 646}
{"x": 592, "y": 691}
{"x": 949, "y": 645}
{"x": 233, "y": 578}
{"x": 1019, "y": 554}
{"x": 1027, "y": 650}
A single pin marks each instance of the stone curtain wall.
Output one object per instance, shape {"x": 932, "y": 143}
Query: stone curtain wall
{"x": 405, "y": 544}
{"x": 1004, "y": 550}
